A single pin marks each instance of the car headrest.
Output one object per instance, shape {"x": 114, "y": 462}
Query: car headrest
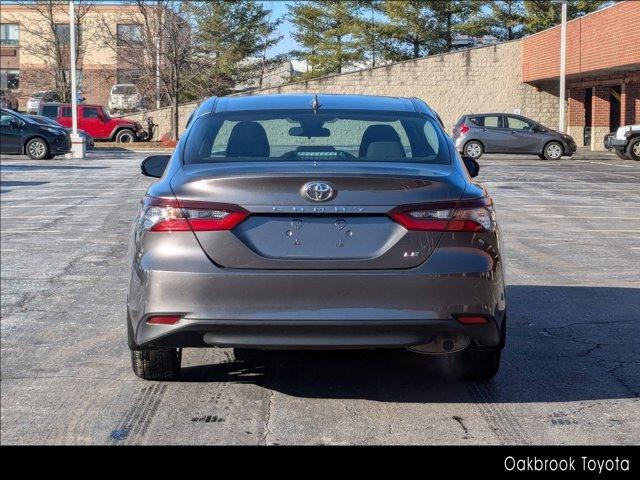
{"x": 378, "y": 133}
{"x": 385, "y": 151}
{"x": 248, "y": 139}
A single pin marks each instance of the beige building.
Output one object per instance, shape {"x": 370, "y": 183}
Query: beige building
{"x": 27, "y": 61}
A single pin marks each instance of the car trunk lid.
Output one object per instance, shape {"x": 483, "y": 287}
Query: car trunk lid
{"x": 287, "y": 230}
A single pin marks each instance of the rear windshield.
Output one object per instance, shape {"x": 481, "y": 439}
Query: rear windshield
{"x": 324, "y": 136}
{"x": 124, "y": 90}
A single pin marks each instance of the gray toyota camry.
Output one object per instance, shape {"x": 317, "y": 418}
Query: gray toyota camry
{"x": 315, "y": 222}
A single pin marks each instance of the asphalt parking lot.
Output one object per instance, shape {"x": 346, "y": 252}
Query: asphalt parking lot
{"x": 570, "y": 372}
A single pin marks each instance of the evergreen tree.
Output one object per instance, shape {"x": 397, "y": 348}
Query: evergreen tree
{"x": 541, "y": 14}
{"x": 370, "y": 31}
{"x": 504, "y": 19}
{"x": 410, "y": 29}
{"x": 452, "y": 17}
{"x": 330, "y": 34}
{"x": 233, "y": 38}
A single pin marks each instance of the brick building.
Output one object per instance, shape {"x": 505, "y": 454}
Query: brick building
{"x": 25, "y": 68}
{"x": 602, "y": 68}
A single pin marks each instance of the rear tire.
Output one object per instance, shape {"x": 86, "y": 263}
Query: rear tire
{"x": 125, "y": 136}
{"x": 542, "y": 157}
{"x": 37, "y": 149}
{"x": 621, "y": 155}
{"x": 474, "y": 363}
{"x": 553, "y": 151}
{"x": 473, "y": 149}
{"x": 157, "y": 363}
{"x": 633, "y": 149}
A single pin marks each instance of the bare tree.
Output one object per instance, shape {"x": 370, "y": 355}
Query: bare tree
{"x": 163, "y": 38}
{"x": 47, "y": 37}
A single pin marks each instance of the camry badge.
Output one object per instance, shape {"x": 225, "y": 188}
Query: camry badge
{"x": 318, "y": 191}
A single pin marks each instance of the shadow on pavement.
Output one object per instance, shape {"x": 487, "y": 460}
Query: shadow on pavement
{"x": 563, "y": 344}
{"x": 11, "y": 183}
{"x": 22, "y": 167}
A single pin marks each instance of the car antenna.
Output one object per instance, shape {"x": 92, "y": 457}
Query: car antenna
{"x": 315, "y": 104}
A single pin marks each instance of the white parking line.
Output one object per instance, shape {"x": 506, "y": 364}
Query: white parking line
{"x": 611, "y": 164}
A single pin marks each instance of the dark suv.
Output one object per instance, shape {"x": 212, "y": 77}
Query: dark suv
{"x": 509, "y": 133}
{"x": 20, "y": 135}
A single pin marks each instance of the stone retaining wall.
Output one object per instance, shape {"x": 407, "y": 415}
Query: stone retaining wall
{"x": 485, "y": 79}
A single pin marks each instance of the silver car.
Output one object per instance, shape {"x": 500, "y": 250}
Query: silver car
{"x": 315, "y": 222}
{"x": 509, "y": 133}
{"x": 34, "y": 101}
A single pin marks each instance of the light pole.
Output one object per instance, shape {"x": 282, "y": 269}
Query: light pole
{"x": 563, "y": 55}
{"x": 77, "y": 142}
{"x": 158, "y": 13}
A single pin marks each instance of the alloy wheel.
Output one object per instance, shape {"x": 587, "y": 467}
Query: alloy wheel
{"x": 37, "y": 149}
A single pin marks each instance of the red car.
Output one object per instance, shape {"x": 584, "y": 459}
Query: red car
{"x": 96, "y": 121}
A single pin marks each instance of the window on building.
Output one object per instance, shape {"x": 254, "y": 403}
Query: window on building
{"x": 9, "y": 79}
{"x": 129, "y": 34}
{"x": 128, "y": 75}
{"x": 9, "y": 34}
{"x": 62, "y": 32}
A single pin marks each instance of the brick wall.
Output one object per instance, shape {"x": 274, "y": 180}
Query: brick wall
{"x": 576, "y": 106}
{"x": 606, "y": 39}
{"x": 96, "y": 83}
{"x": 600, "y": 106}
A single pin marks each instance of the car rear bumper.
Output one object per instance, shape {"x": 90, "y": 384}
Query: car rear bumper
{"x": 274, "y": 334}
{"x": 315, "y": 309}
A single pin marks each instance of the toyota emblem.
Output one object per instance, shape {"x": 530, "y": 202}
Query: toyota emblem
{"x": 318, "y": 191}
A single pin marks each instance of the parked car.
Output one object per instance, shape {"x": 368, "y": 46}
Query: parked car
{"x": 124, "y": 97}
{"x": 335, "y": 221}
{"x": 625, "y": 141}
{"x": 509, "y": 133}
{"x": 88, "y": 139}
{"x": 8, "y": 99}
{"x": 96, "y": 121}
{"x": 20, "y": 134}
{"x": 34, "y": 101}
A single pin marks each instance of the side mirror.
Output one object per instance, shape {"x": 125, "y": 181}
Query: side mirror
{"x": 473, "y": 167}
{"x": 154, "y": 165}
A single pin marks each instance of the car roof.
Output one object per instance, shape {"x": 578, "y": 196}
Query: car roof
{"x": 483, "y": 114}
{"x": 304, "y": 101}
{"x": 69, "y": 104}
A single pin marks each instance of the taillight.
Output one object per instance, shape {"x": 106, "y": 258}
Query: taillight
{"x": 475, "y": 215}
{"x": 463, "y": 129}
{"x": 472, "y": 319}
{"x": 171, "y": 215}
{"x": 163, "y": 320}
